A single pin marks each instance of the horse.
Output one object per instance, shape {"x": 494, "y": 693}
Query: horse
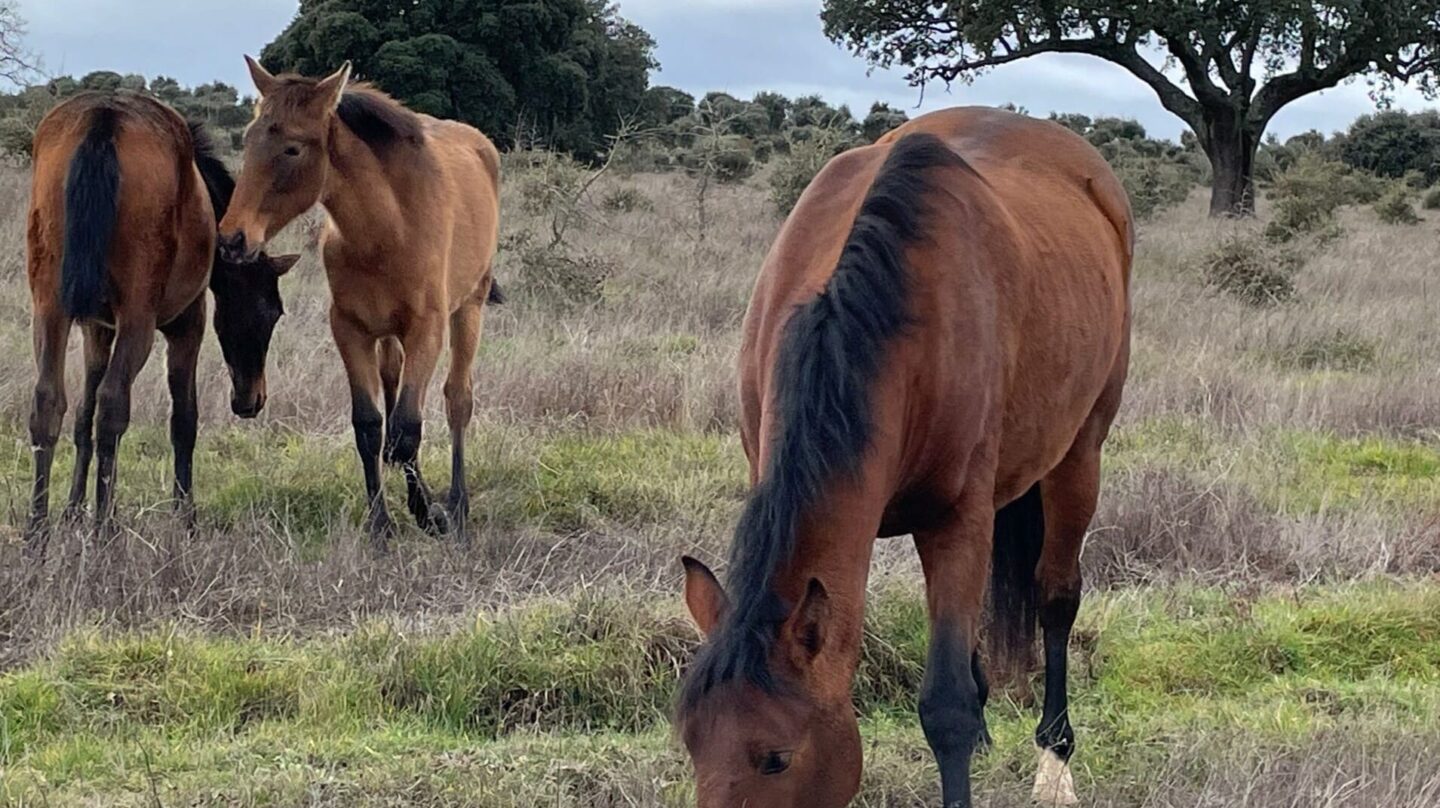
{"x": 936, "y": 346}
{"x": 413, "y": 206}
{"x": 124, "y": 206}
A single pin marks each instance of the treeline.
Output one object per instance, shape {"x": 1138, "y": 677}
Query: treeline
{"x": 1392, "y": 144}
{"x": 216, "y": 103}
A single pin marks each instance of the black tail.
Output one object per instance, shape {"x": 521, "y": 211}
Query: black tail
{"x": 1019, "y": 535}
{"x": 496, "y": 297}
{"x": 92, "y": 204}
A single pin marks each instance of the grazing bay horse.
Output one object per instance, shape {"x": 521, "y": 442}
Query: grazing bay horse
{"x": 121, "y": 239}
{"x": 413, "y": 206}
{"x": 936, "y": 346}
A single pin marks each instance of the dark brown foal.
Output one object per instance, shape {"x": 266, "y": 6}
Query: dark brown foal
{"x": 122, "y": 259}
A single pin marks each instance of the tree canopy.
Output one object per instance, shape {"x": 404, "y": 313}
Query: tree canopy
{"x": 1239, "y": 62}
{"x": 562, "y": 73}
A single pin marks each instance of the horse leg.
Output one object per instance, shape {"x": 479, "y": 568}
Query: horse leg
{"x": 357, "y": 351}
{"x": 422, "y": 350}
{"x": 392, "y": 363}
{"x": 98, "y": 342}
{"x": 183, "y": 337}
{"x": 1069, "y": 493}
{"x": 465, "y": 326}
{"x": 51, "y": 333}
{"x": 956, "y": 560}
{"x": 134, "y": 337}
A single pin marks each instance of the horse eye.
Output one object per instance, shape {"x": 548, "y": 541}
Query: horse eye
{"x": 775, "y": 763}
{"x": 292, "y": 151}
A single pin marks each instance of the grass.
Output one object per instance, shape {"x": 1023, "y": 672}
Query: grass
{"x": 583, "y": 686}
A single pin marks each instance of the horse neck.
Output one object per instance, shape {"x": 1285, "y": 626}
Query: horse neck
{"x": 361, "y": 193}
{"x": 833, "y": 544}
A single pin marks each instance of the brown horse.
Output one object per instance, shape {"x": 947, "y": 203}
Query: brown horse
{"x": 936, "y": 346}
{"x": 122, "y": 221}
{"x": 414, "y": 218}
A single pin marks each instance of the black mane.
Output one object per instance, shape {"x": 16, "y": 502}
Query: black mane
{"x": 377, "y": 119}
{"x": 218, "y": 181}
{"x": 830, "y": 355}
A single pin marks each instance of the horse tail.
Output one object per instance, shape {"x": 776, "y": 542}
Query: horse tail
{"x": 1019, "y": 536}
{"x": 92, "y": 205}
{"x": 496, "y": 296}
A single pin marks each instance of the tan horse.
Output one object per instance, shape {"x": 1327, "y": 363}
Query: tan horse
{"x": 936, "y": 346}
{"x": 121, "y": 238}
{"x": 413, "y": 206}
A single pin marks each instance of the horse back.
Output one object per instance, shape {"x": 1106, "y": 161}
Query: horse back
{"x": 158, "y": 258}
{"x": 469, "y": 175}
{"x": 1017, "y": 297}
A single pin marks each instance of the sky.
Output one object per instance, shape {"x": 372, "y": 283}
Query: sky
{"x": 738, "y": 46}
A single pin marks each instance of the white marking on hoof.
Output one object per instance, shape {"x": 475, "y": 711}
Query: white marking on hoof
{"x": 1053, "y": 783}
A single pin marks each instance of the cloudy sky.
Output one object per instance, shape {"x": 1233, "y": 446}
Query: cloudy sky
{"x": 740, "y": 46}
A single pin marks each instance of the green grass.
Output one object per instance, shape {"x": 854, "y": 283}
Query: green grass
{"x": 555, "y": 480}
{"x": 1293, "y": 472}
{"x": 553, "y": 699}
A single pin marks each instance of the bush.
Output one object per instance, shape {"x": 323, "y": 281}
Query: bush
{"x": 626, "y": 200}
{"x": 1249, "y": 268}
{"x": 1395, "y": 207}
{"x": 729, "y": 158}
{"x": 1432, "y": 199}
{"x": 552, "y": 274}
{"x": 544, "y": 179}
{"x": 1337, "y": 350}
{"x": 1153, "y": 183}
{"x": 808, "y": 151}
{"x": 15, "y": 138}
{"x": 1307, "y": 195}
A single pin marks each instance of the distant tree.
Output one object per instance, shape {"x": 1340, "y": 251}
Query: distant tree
{"x": 665, "y": 105}
{"x": 103, "y": 80}
{"x": 882, "y": 119}
{"x": 569, "y": 70}
{"x": 1394, "y": 144}
{"x": 776, "y": 106}
{"x": 1242, "y": 61}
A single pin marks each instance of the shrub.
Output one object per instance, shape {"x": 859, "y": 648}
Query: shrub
{"x": 1249, "y": 268}
{"x": 1336, "y": 350}
{"x": 552, "y": 274}
{"x": 1395, "y": 207}
{"x": 807, "y": 152}
{"x": 15, "y": 138}
{"x": 626, "y": 200}
{"x": 1153, "y": 183}
{"x": 1307, "y": 195}
{"x": 1432, "y": 199}
{"x": 544, "y": 180}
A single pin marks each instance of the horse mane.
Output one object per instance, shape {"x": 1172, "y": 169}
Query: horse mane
{"x": 377, "y": 119}
{"x": 829, "y": 356}
{"x": 218, "y": 182}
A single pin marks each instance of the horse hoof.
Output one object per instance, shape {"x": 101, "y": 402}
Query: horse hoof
{"x": 436, "y": 522}
{"x": 1054, "y": 784}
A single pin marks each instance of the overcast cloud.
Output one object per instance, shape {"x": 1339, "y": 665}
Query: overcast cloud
{"x": 740, "y": 46}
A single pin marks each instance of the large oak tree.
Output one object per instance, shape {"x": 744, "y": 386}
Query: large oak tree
{"x": 563, "y": 72}
{"x": 1237, "y": 62}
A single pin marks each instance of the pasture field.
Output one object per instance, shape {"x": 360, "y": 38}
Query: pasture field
{"x": 1262, "y": 626}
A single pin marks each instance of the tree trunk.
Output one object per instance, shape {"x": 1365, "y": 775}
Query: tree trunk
{"x": 1231, "y": 148}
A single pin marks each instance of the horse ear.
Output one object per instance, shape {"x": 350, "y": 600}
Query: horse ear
{"x": 283, "y": 263}
{"x": 333, "y": 86}
{"x": 806, "y": 628}
{"x": 264, "y": 80}
{"x": 704, "y": 595}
